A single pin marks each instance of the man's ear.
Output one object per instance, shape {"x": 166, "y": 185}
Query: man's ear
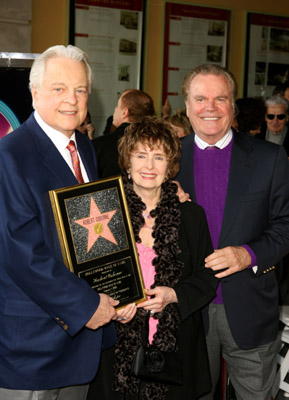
{"x": 34, "y": 93}
{"x": 125, "y": 113}
{"x": 187, "y": 105}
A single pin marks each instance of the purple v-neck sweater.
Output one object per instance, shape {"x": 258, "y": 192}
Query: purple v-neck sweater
{"x": 211, "y": 175}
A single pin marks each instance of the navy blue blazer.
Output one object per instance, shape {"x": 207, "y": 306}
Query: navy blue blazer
{"x": 257, "y": 214}
{"x": 43, "y": 306}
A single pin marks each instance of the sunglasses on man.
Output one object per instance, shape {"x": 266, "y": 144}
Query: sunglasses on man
{"x": 279, "y": 116}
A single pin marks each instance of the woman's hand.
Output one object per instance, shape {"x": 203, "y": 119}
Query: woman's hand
{"x": 162, "y": 296}
{"x": 181, "y": 193}
{"x": 126, "y": 314}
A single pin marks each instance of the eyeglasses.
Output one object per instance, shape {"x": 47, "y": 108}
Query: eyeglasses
{"x": 279, "y": 116}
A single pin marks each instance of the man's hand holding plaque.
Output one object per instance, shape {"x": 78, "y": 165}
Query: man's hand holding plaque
{"x": 105, "y": 312}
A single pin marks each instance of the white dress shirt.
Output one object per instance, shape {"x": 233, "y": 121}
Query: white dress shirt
{"x": 61, "y": 142}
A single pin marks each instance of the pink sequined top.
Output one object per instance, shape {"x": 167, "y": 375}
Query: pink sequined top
{"x": 146, "y": 255}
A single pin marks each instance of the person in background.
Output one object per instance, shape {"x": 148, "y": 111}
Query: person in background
{"x": 166, "y": 109}
{"x": 276, "y": 131}
{"x": 282, "y": 90}
{"x": 132, "y": 105}
{"x": 242, "y": 184}
{"x": 276, "y": 118}
{"x": 87, "y": 127}
{"x": 109, "y": 127}
{"x": 180, "y": 123}
{"x": 172, "y": 242}
{"x": 53, "y": 324}
{"x": 251, "y": 115}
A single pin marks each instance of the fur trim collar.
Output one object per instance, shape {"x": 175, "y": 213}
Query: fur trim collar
{"x": 167, "y": 272}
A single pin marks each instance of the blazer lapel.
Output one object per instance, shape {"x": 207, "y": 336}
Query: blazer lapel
{"x": 51, "y": 157}
{"x": 241, "y": 171}
{"x": 57, "y": 166}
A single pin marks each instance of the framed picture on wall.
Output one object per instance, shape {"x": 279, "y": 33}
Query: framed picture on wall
{"x": 194, "y": 35}
{"x": 111, "y": 33}
{"x": 267, "y": 54}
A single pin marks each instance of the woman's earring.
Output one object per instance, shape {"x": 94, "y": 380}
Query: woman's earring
{"x": 128, "y": 175}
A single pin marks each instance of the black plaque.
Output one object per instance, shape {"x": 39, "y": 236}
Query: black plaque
{"x": 96, "y": 238}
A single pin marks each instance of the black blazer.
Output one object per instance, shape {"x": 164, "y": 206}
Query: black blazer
{"x": 262, "y": 135}
{"x": 107, "y": 154}
{"x": 196, "y": 288}
{"x": 256, "y": 213}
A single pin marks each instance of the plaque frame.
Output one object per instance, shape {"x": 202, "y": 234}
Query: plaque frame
{"x": 96, "y": 214}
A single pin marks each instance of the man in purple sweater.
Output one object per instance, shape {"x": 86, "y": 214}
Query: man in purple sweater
{"x": 243, "y": 185}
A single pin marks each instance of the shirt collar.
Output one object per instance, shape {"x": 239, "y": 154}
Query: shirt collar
{"x": 221, "y": 144}
{"x": 58, "y": 138}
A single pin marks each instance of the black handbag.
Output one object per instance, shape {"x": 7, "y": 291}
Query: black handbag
{"x": 152, "y": 364}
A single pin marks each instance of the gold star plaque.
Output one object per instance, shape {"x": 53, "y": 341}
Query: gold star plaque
{"x": 96, "y": 238}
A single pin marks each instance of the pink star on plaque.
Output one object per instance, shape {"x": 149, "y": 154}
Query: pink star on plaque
{"x": 97, "y": 225}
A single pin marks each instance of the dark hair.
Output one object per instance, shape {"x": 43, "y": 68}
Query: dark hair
{"x": 251, "y": 113}
{"x": 280, "y": 89}
{"x": 152, "y": 132}
{"x": 139, "y": 104}
{"x": 210, "y": 69}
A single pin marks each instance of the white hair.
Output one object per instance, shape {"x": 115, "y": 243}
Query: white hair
{"x": 71, "y": 52}
{"x": 277, "y": 100}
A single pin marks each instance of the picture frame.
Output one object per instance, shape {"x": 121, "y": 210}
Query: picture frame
{"x": 193, "y": 35}
{"x": 112, "y": 34}
{"x": 97, "y": 240}
{"x": 267, "y": 50}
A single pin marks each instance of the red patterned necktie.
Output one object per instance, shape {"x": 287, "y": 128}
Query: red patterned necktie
{"x": 75, "y": 161}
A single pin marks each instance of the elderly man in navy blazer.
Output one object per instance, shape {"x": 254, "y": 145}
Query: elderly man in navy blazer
{"x": 243, "y": 185}
{"x": 53, "y": 325}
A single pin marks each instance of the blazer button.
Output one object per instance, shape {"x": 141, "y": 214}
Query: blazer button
{"x": 65, "y": 327}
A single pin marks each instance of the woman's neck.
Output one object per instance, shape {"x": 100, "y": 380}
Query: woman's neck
{"x": 149, "y": 198}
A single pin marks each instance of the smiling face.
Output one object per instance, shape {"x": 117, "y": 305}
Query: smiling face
{"x": 61, "y": 101}
{"x": 210, "y": 107}
{"x": 275, "y": 125}
{"x": 148, "y": 168}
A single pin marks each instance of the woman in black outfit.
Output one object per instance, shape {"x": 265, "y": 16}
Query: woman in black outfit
{"x": 172, "y": 241}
